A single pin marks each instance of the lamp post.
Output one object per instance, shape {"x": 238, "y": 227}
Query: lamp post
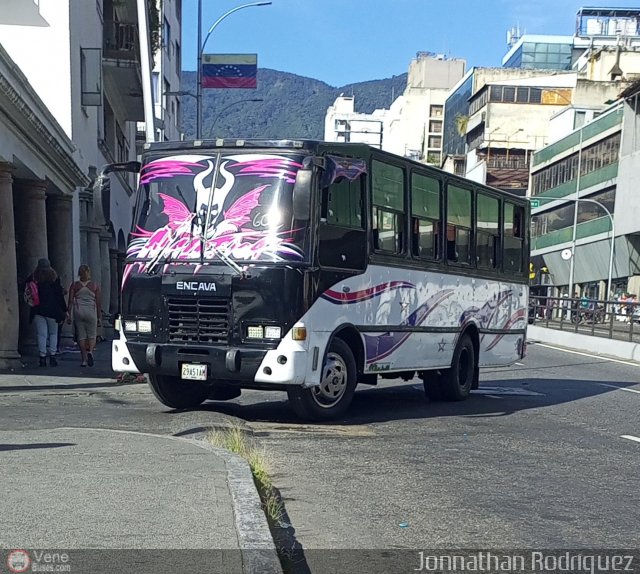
{"x": 494, "y": 130}
{"x": 201, "y": 46}
{"x": 219, "y": 115}
{"x": 573, "y": 242}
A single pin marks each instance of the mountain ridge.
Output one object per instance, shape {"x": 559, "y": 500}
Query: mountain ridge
{"x": 293, "y": 106}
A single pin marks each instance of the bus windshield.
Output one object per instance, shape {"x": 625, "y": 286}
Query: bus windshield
{"x": 234, "y": 207}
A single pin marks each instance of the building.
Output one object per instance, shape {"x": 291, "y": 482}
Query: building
{"x": 68, "y": 109}
{"x": 412, "y": 126}
{"x": 575, "y": 181}
{"x": 496, "y": 117}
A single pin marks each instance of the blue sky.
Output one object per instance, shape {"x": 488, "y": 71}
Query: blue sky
{"x": 345, "y": 41}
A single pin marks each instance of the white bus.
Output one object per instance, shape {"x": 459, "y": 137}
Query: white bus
{"x": 309, "y": 267}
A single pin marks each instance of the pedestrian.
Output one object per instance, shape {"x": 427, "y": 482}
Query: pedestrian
{"x": 85, "y": 309}
{"x": 48, "y": 312}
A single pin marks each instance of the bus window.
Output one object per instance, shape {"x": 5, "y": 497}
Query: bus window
{"x": 425, "y": 216}
{"x": 342, "y": 236}
{"x": 487, "y": 231}
{"x": 387, "y": 184}
{"x": 458, "y": 225}
{"x": 513, "y": 237}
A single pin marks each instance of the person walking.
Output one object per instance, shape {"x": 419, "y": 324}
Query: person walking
{"x": 85, "y": 309}
{"x": 49, "y": 311}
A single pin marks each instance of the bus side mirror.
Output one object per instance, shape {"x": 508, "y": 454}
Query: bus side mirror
{"x": 302, "y": 195}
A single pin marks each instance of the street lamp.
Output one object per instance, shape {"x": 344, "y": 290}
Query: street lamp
{"x": 201, "y": 46}
{"x": 215, "y": 120}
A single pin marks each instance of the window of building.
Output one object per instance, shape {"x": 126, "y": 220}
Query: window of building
{"x": 178, "y": 60}
{"x": 425, "y": 216}
{"x": 387, "y": 182}
{"x": 166, "y": 37}
{"x": 435, "y": 111}
{"x": 435, "y": 142}
{"x": 458, "y": 225}
{"x": 487, "y": 231}
{"x": 435, "y": 126}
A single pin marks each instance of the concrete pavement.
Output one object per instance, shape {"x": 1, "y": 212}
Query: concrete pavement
{"x": 84, "y": 488}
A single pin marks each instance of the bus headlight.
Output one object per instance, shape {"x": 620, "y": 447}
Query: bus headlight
{"x": 264, "y": 332}
{"x": 144, "y": 326}
{"x": 272, "y": 332}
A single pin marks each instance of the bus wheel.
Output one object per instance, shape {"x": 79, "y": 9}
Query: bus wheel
{"x": 176, "y": 393}
{"x": 457, "y": 381}
{"x": 332, "y": 397}
{"x": 432, "y": 381}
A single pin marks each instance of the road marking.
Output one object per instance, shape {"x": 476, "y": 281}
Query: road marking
{"x": 620, "y": 388}
{"x": 630, "y": 363}
{"x": 520, "y": 364}
{"x": 509, "y": 391}
{"x": 629, "y": 437}
{"x": 494, "y": 397}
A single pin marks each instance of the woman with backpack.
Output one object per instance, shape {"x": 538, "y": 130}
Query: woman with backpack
{"x": 45, "y": 297}
{"x": 86, "y": 309}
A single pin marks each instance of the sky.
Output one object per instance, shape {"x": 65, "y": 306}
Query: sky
{"x": 345, "y": 41}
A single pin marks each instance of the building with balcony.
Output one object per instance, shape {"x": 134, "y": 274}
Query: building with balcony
{"x": 71, "y": 96}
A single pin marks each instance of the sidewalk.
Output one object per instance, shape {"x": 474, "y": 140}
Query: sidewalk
{"x": 98, "y": 494}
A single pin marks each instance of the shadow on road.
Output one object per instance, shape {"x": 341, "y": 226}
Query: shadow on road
{"x": 495, "y": 398}
{"x": 35, "y": 445}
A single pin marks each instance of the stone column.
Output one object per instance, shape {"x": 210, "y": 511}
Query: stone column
{"x": 60, "y": 240}
{"x": 105, "y": 270}
{"x": 9, "y": 297}
{"x": 85, "y": 200}
{"x": 121, "y": 258}
{"x": 31, "y": 236}
{"x": 114, "y": 288}
{"x": 93, "y": 255}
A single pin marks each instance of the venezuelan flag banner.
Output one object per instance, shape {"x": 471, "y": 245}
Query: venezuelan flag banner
{"x": 229, "y": 70}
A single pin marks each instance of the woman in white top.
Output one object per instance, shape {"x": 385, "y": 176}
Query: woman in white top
{"x": 85, "y": 308}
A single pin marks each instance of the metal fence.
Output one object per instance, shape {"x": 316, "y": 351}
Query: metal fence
{"x": 611, "y": 319}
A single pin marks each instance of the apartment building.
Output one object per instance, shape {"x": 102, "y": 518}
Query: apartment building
{"x": 413, "y": 124}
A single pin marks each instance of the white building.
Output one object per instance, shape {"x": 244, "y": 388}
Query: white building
{"x": 412, "y": 126}
{"x": 71, "y": 93}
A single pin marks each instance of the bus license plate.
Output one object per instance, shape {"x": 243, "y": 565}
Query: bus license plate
{"x": 193, "y": 372}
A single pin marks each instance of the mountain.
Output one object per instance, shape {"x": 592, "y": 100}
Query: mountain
{"x": 293, "y": 106}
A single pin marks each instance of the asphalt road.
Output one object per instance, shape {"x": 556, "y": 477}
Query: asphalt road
{"x": 537, "y": 458}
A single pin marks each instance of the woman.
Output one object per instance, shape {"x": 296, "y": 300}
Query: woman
{"x": 49, "y": 311}
{"x": 85, "y": 308}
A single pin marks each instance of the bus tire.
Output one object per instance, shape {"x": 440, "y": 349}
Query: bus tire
{"x": 175, "y": 393}
{"x": 458, "y": 380}
{"x": 332, "y": 397}
{"x": 432, "y": 381}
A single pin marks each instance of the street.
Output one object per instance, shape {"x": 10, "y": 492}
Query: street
{"x": 544, "y": 455}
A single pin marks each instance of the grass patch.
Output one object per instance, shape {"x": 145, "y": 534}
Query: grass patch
{"x": 236, "y": 440}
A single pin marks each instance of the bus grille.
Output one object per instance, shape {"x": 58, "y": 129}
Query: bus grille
{"x": 198, "y": 320}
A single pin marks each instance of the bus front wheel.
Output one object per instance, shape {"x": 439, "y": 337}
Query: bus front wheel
{"x": 332, "y": 397}
{"x": 175, "y": 393}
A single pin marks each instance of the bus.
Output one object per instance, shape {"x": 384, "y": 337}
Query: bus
{"x": 309, "y": 266}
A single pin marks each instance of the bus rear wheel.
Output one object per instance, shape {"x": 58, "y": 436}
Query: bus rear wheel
{"x": 175, "y": 393}
{"x": 456, "y": 382}
{"x": 332, "y": 397}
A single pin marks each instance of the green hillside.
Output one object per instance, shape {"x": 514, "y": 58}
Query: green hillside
{"x": 293, "y": 106}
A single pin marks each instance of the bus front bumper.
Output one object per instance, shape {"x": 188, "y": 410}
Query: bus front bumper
{"x": 265, "y": 368}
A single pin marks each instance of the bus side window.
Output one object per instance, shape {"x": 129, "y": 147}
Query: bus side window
{"x": 487, "y": 231}
{"x": 459, "y": 227}
{"x": 513, "y": 237}
{"x": 387, "y": 183}
{"x": 425, "y": 216}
